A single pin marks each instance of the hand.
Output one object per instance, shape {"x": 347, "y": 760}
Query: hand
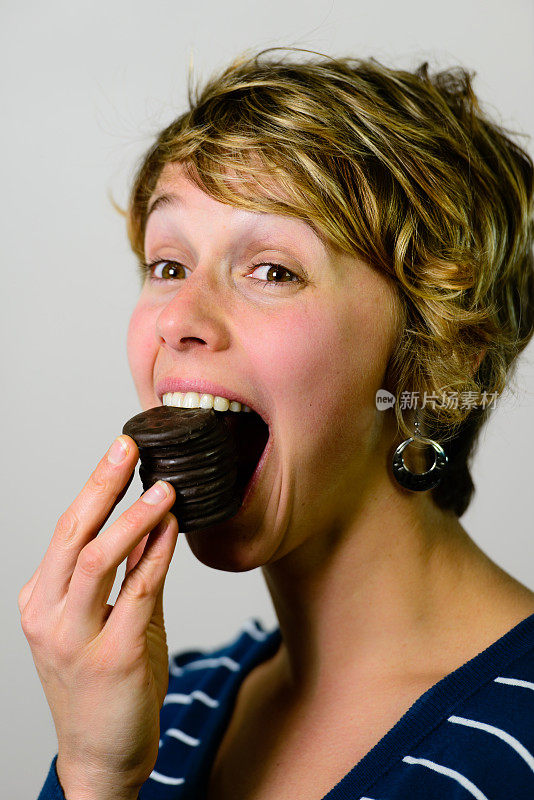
{"x": 104, "y": 668}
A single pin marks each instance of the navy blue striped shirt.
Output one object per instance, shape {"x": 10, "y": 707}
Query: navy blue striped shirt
{"x": 470, "y": 736}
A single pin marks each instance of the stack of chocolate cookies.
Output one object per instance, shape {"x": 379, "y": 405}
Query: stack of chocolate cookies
{"x": 194, "y": 450}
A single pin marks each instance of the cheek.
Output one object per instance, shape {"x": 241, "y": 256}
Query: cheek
{"x": 299, "y": 357}
{"x": 142, "y": 348}
{"x": 324, "y": 367}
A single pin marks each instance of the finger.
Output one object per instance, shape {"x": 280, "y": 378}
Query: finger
{"x": 85, "y": 516}
{"x": 95, "y": 571}
{"x": 26, "y": 591}
{"x": 135, "y": 555}
{"x": 141, "y": 594}
{"x": 157, "y": 614}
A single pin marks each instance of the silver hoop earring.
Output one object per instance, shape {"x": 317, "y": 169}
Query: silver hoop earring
{"x": 419, "y": 481}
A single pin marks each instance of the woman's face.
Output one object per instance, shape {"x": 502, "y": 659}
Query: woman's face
{"x": 306, "y": 344}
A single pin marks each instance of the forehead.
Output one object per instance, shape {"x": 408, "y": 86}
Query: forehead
{"x": 176, "y": 197}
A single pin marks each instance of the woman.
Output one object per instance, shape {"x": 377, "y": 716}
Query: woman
{"x": 311, "y": 235}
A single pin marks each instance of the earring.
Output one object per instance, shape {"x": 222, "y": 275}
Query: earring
{"x": 419, "y": 481}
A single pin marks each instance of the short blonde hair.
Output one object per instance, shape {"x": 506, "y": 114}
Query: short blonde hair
{"x": 402, "y": 169}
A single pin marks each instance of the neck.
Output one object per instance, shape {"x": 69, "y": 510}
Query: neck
{"x": 376, "y": 598}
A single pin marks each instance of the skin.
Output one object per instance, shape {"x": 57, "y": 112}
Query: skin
{"x": 375, "y": 589}
{"x": 327, "y": 524}
{"x": 104, "y": 668}
{"x": 307, "y": 346}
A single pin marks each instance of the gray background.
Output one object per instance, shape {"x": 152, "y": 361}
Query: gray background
{"x": 85, "y": 87}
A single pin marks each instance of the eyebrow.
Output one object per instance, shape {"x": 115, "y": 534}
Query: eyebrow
{"x": 170, "y": 199}
{"x": 164, "y": 200}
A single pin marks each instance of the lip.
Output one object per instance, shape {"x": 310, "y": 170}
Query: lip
{"x": 169, "y": 384}
{"x": 251, "y": 485}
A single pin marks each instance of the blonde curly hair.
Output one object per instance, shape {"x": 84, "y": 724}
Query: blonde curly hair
{"x": 402, "y": 169}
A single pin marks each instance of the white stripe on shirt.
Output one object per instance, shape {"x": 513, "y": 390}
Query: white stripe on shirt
{"x": 157, "y": 776}
{"x": 187, "y": 699}
{"x": 450, "y": 773}
{"x": 516, "y": 682}
{"x": 506, "y": 737}
{"x": 252, "y": 629}
{"x": 206, "y": 663}
{"x": 183, "y": 737}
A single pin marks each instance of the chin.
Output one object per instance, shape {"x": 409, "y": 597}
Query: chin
{"x": 229, "y": 546}
{"x": 219, "y": 555}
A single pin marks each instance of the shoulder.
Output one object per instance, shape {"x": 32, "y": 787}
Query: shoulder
{"x": 499, "y": 711}
{"x": 486, "y": 736}
{"x": 471, "y": 733}
{"x": 202, "y": 686}
{"x": 204, "y": 682}
{"x": 216, "y": 665}
{"x": 504, "y": 705}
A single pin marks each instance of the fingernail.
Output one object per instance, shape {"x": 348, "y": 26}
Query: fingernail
{"x": 156, "y": 493}
{"x": 118, "y": 450}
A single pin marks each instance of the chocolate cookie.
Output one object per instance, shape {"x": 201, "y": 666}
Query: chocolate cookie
{"x": 194, "y": 450}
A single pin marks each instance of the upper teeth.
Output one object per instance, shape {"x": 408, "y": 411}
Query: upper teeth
{"x": 196, "y": 400}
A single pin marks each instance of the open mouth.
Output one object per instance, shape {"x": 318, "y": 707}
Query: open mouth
{"x": 251, "y": 435}
{"x": 246, "y": 428}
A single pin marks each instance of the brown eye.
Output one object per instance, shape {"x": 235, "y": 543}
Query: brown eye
{"x": 278, "y": 274}
{"x": 169, "y": 269}
{"x": 166, "y": 270}
{"x": 273, "y": 274}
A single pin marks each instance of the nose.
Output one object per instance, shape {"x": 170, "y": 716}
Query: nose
{"x": 194, "y": 317}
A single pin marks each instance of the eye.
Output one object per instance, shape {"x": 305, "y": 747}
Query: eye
{"x": 164, "y": 270}
{"x": 275, "y": 274}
